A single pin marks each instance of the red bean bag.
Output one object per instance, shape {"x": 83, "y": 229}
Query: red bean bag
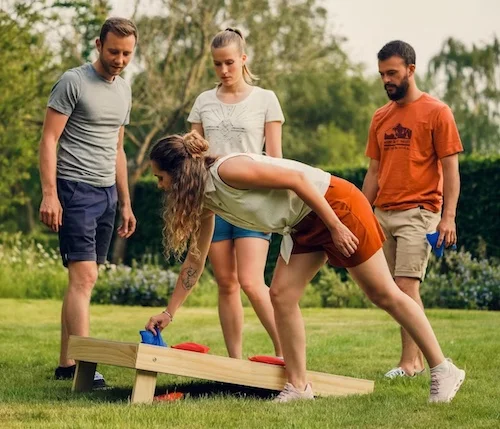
{"x": 272, "y": 360}
{"x": 169, "y": 397}
{"x": 192, "y": 347}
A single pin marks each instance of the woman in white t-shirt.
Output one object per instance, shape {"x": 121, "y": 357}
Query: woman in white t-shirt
{"x": 237, "y": 116}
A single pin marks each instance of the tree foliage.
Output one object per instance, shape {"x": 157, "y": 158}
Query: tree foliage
{"x": 284, "y": 38}
{"x": 77, "y": 33}
{"x": 25, "y": 58}
{"x": 468, "y": 80}
{"x": 327, "y": 98}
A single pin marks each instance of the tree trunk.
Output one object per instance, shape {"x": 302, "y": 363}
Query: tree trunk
{"x": 119, "y": 250}
{"x": 30, "y": 215}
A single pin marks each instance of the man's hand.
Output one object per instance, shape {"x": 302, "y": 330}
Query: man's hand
{"x": 447, "y": 232}
{"x": 127, "y": 228}
{"x": 51, "y": 212}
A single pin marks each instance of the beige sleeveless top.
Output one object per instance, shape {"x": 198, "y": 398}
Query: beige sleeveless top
{"x": 265, "y": 210}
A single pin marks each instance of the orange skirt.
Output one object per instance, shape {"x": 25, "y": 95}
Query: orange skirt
{"x": 354, "y": 211}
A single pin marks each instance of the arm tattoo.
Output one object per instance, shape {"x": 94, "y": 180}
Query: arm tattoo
{"x": 188, "y": 277}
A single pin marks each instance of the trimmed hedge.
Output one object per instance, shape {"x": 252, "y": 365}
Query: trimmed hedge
{"x": 147, "y": 238}
{"x": 478, "y": 218}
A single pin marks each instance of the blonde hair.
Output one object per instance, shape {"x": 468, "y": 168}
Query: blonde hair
{"x": 233, "y": 35}
{"x": 186, "y": 160}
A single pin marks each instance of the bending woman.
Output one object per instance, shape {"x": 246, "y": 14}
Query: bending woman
{"x": 321, "y": 217}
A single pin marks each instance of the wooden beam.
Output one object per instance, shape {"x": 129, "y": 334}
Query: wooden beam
{"x": 144, "y": 387}
{"x": 149, "y": 360}
{"x": 239, "y": 371}
{"x": 102, "y": 351}
{"x": 84, "y": 376}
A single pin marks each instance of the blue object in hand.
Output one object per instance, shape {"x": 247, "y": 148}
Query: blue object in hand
{"x": 155, "y": 340}
{"x": 438, "y": 251}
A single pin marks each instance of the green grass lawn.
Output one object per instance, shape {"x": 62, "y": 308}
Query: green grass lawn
{"x": 357, "y": 343}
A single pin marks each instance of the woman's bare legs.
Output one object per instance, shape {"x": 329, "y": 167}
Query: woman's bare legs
{"x": 287, "y": 287}
{"x": 374, "y": 278}
{"x": 251, "y": 256}
{"x": 222, "y": 257}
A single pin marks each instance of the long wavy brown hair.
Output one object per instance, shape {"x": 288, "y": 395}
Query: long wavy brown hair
{"x": 186, "y": 160}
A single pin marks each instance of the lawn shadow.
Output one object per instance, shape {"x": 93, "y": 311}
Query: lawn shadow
{"x": 204, "y": 389}
{"x": 193, "y": 390}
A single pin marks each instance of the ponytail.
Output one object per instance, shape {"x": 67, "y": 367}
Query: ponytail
{"x": 195, "y": 144}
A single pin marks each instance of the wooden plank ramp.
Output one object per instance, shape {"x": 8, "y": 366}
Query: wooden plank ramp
{"x": 149, "y": 360}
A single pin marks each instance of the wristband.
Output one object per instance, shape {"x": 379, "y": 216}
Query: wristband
{"x": 169, "y": 315}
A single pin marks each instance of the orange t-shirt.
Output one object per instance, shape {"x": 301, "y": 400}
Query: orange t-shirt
{"x": 409, "y": 141}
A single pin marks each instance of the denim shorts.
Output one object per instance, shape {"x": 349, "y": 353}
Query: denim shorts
{"x": 88, "y": 221}
{"x": 225, "y": 231}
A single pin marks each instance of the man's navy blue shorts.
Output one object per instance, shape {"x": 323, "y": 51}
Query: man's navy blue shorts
{"x": 88, "y": 221}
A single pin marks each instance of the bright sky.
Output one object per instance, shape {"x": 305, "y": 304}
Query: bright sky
{"x": 425, "y": 24}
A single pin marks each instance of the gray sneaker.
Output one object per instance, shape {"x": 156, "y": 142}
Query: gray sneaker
{"x": 446, "y": 379}
{"x": 290, "y": 393}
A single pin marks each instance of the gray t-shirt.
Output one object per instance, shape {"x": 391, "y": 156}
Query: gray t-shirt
{"x": 97, "y": 108}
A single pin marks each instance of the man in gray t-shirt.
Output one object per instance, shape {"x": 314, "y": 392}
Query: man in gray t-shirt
{"x": 85, "y": 176}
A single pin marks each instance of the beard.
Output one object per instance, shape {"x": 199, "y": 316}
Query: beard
{"x": 108, "y": 67}
{"x": 400, "y": 90}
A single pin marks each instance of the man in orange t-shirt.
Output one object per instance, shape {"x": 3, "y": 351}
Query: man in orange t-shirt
{"x": 413, "y": 146}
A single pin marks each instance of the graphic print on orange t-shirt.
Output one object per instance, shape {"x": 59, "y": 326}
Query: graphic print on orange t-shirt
{"x": 397, "y": 137}
{"x": 408, "y": 142}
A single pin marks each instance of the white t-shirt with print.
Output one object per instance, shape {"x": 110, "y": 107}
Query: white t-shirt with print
{"x": 237, "y": 127}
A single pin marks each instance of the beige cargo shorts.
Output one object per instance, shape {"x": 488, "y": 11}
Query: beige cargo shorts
{"x": 406, "y": 247}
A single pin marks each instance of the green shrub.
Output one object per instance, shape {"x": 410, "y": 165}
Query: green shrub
{"x": 337, "y": 293}
{"x": 30, "y": 270}
{"x": 460, "y": 281}
{"x": 147, "y": 286}
{"x": 478, "y": 220}
{"x": 147, "y": 238}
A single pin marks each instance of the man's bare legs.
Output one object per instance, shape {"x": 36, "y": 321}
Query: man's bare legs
{"x": 75, "y": 319}
{"x": 412, "y": 359}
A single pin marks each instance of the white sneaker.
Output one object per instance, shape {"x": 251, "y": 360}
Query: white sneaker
{"x": 99, "y": 382}
{"x": 290, "y": 393}
{"x": 400, "y": 372}
{"x": 396, "y": 373}
{"x": 446, "y": 379}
